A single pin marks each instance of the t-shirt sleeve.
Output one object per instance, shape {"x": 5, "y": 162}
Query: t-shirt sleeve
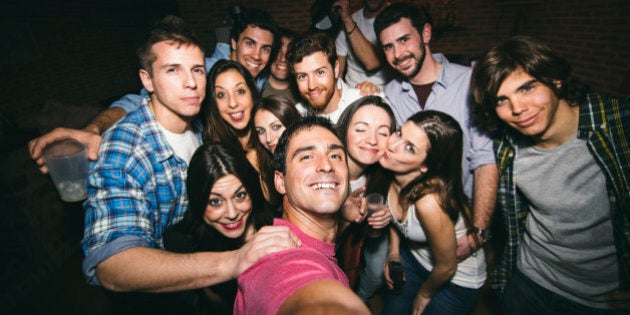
{"x": 265, "y": 286}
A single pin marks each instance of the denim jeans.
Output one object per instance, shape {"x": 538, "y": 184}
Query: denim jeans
{"x": 374, "y": 254}
{"x": 524, "y": 296}
{"x": 451, "y": 299}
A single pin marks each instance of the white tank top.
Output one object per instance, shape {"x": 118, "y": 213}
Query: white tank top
{"x": 471, "y": 273}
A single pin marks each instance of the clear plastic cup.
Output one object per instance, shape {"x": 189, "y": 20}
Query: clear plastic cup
{"x": 374, "y": 202}
{"x": 68, "y": 165}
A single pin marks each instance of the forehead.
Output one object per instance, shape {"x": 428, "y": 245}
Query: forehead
{"x": 371, "y": 113}
{"x": 263, "y": 115}
{"x": 172, "y": 52}
{"x": 312, "y": 62}
{"x": 226, "y": 184}
{"x": 229, "y": 78}
{"x": 398, "y": 29}
{"x": 414, "y": 134}
{"x": 316, "y": 136}
{"x": 285, "y": 41}
{"x": 261, "y": 36}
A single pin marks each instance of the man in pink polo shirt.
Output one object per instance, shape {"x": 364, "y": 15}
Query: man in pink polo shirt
{"x": 312, "y": 174}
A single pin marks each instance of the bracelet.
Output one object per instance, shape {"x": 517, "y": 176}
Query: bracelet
{"x": 354, "y": 28}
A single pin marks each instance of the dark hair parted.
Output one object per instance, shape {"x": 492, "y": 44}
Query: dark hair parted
{"x": 257, "y": 18}
{"x": 280, "y": 107}
{"x": 308, "y": 44}
{"x": 307, "y": 122}
{"x": 535, "y": 59}
{"x": 343, "y": 123}
{"x": 444, "y": 165}
{"x": 393, "y": 13}
{"x": 211, "y": 162}
{"x": 172, "y": 29}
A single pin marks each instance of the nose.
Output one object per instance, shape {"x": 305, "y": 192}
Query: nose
{"x": 282, "y": 56}
{"x": 256, "y": 53}
{"x": 396, "y": 51}
{"x": 392, "y": 142}
{"x": 324, "y": 164}
{"x": 231, "y": 212}
{"x": 518, "y": 106}
{"x": 311, "y": 84}
{"x": 232, "y": 102}
{"x": 370, "y": 138}
{"x": 190, "y": 81}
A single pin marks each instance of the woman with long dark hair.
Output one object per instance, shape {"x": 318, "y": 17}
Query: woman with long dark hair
{"x": 429, "y": 211}
{"x": 226, "y": 207}
{"x": 271, "y": 117}
{"x": 231, "y": 94}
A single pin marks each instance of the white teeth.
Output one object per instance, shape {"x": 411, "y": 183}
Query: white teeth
{"x": 324, "y": 186}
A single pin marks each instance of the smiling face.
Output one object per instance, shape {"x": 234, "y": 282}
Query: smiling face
{"x": 253, "y": 49}
{"x": 406, "y": 151}
{"x": 178, "y": 82}
{"x": 528, "y": 106}
{"x": 367, "y": 135}
{"x": 269, "y": 128}
{"x": 280, "y": 66}
{"x": 316, "y": 81}
{"x": 404, "y": 47}
{"x": 316, "y": 175}
{"x": 229, "y": 207}
{"x": 234, "y": 99}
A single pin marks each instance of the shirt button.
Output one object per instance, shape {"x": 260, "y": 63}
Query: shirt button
{"x": 602, "y": 126}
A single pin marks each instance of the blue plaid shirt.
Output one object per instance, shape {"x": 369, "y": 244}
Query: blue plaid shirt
{"x": 136, "y": 189}
{"x": 605, "y": 125}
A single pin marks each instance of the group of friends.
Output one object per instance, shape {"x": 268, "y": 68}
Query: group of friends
{"x": 232, "y": 183}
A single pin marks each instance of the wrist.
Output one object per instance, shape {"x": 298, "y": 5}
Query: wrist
{"x": 353, "y": 27}
{"x": 92, "y": 128}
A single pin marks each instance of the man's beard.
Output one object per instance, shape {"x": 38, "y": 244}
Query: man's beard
{"x": 410, "y": 74}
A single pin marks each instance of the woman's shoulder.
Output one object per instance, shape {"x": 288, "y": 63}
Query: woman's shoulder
{"x": 429, "y": 205}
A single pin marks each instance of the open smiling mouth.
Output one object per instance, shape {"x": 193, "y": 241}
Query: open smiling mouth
{"x": 324, "y": 186}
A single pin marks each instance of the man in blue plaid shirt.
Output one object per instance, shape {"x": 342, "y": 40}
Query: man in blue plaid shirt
{"x": 564, "y": 183}
{"x": 137, "y": 186}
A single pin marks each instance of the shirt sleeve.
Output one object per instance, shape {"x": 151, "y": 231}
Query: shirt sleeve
{"x": 481, "y": 149}
{"x": 265, "y": 286}
{"x": 117, "y": 206}
{"x": 130, "y": 102}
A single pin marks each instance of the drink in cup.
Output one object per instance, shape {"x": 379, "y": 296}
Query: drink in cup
{"x": 68, "y": 165}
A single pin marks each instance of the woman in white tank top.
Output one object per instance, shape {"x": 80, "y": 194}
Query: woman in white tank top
{"x": 429, "y": 210}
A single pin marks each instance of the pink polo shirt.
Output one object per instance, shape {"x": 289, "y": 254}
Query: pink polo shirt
{"x": 264, "y": 287}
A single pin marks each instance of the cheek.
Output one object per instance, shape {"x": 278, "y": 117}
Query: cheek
{"x": 245, "y": 206}
{"x": 278, "y": 133}
{"x": 212, "y": 215}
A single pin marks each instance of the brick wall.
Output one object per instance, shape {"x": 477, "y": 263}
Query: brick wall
{"x": 81, "y": 52}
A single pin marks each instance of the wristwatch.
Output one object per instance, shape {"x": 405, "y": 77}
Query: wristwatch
{"x": 484, "y": 234}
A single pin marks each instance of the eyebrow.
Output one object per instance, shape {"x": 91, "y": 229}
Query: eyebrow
{"x": 237, "y": 85}
{"x": 220, "y": 195}
{"x": 530, "y": 82}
